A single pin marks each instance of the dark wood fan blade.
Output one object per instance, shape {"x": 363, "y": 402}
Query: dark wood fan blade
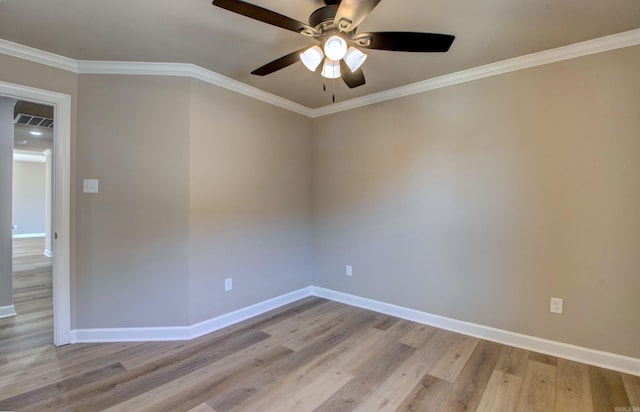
{"x": 352, "y": 12}
{"x": 351, "y": 79}
{"x": 266, "y": 16}
{"x": 278, "y": 64}
{"x": 405, "y": 41}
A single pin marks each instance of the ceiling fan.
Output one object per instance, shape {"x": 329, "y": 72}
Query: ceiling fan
{"x": 333, "y": 27}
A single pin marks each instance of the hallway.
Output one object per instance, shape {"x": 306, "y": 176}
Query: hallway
{"x": 32, "y": 329}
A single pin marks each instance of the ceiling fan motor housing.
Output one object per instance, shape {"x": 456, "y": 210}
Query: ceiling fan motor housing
{"x": 323, "y": 15}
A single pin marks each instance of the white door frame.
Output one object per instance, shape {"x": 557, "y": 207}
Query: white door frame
{"x": 61, "y": 213}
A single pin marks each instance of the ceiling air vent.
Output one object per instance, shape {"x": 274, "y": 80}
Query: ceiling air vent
{"x": 29, "y": 120}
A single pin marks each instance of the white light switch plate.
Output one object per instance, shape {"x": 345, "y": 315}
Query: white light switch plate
{"x": 90, "y": 186}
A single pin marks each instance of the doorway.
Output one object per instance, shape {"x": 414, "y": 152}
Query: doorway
{"x": 60, "y": 190}
{"x": 32, "y": 281}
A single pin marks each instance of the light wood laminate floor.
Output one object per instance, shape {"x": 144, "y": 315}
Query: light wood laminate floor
{"x": 312, "y": 355}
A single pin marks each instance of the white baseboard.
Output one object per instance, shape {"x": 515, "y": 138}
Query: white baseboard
{"x": 185, "y": 332}
{"x": 28, "y": 235}
{"x": 229, "y": 319}
{"x": 594, "y": 357}
{"x": 7, "y": 311}
{"x": 47, "y": 253}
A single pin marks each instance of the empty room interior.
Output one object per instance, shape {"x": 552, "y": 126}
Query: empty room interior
{"x": 421, "y": 206}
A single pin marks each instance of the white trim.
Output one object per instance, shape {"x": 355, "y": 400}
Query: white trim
{"x": 7, "y": 311}
{"x": 603, "y": 359}
{"x": 186, "y": 332}
{"x": 61, "y": 202}
{"x": 607, "y": 360}
{"x": 24, "y": 157}
{"x": 38, "y": 56}
{"x": 599, "y": 45}
{"x": 193, "y": 71}
{"x": 234, "y": 317}
{"x": 47, "y": 253}
{"x": 28, "y": 235}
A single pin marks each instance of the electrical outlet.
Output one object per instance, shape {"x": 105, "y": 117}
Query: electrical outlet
{"x": 228, "y": 284}
{"x": 14, "y": 227}
{"x": 349, "y": 270}
{"x": 556, "y": 305}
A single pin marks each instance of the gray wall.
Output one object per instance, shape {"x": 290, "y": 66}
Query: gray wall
{"x": 29, "y": 205}
{"x": 250, "y": 187}
{"x": 197, "y": 184}
{"x": 132, "y": 238}
{"x": 482, "y": 200}
{"x": 6, "y": 166}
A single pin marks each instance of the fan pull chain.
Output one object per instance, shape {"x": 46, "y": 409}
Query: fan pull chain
{"x": 333, "y": 91}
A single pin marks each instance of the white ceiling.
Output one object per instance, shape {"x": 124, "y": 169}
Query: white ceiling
{"x": 24, "y": 140}
{"x": 194, "y": 31}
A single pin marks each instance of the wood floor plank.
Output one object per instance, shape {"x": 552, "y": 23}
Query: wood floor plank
{"x": 501, "y": 393}
{"x": 538, "y": 391}
{"x": 379, "y": 341}
{"x": 293, "y": 324}
{"x": 368, "y": 379}
{"x": 430, "y": 394}
{"x": 418, "y": 335}
{"x": 29, "y": 379}
{"x": 573, "y": 387}
{"x": 543, "y": 358}
{"x": 129, "y": 384}
{"x": 31, "y": 398}
{"x": 304, "y": 393}
{"x": 196, "y": 387}
{"x": 632, "y": 386}
{"x": 468, "y": 388}
{"x": 513, "y": 361}
{"x": 392, "y": 392}
{"x": 203, "y": 407}
{"x": 321, "y": 327}
{"x": 258, "y": 382}
{"x": 386, "y": 322}
{"x": 48, "y": 354}
{"x": 607, "y": 389}
{"x": 329, "y": 368}
{"x": 454, "y": 358}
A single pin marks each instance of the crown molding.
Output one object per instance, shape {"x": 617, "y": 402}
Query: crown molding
{"x": 193, "y": 71}
{"x": 599, "y": 45}
{"x": 585, "y": 48}
{"x": 38, "y": 56}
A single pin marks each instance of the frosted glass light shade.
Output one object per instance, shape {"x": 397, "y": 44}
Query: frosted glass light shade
{"x": 312, "y": 57}
{"x": 354, "y": 58}
{"x": 335, "y": 47}
{"x": 331, "y": 69}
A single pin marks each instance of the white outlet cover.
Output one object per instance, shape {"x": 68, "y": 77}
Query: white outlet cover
{"x": 556, "y": 305}
{"x": 349, "y": 270}
{"x": 228, "y": 284}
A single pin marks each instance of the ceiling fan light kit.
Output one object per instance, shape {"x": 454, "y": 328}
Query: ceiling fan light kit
{"x": 335, "y": 47}
{"x": 334, "y": 27}
{"x": 331, "y": 69}
{"x": 354, "y": 58}
{"x": 312, "y": 57}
